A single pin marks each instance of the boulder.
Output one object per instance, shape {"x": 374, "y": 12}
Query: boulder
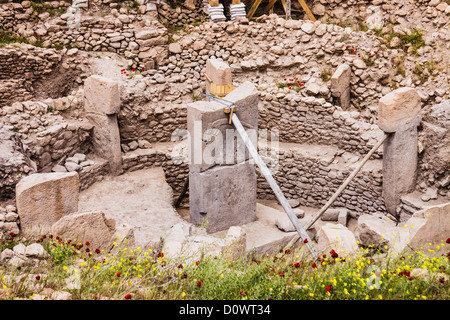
{"x": 373, "y": 231}
{"x": 434, "y": 228}
{"x": 336, "y": 237}
{"x": 86, "y": 226}
{"x": 36, "y": 250}
{"x": 44, "y": 198}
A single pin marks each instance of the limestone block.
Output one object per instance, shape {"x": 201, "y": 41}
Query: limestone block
{"x": 400, "y": 159}
{"x": 101, "y": 95}
{"x": 223, "y": 196}
{"x": 36, "y": 250}
{"x": 106, "y": 140}
{"x": 372, "y": 230}
{"x": 435, "y": 228}
{"x": 340, "y": 85}
{"x": 235, "y": 243}
{"x": 93, "y": 227}
{"x": 44, "y": 198}
{"x": 336, "y": 237}
{"x": 219, "y": 72}
{"x": 398, "y": 109}
{"x": 213, "y": 141}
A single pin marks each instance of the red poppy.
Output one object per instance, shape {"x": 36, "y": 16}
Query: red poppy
{"x": 118, "y": 274}
{"x": 180, "y": 266}
{"x": 97, "y": 251}
{"x": 333, "y": 253}
{"x": 128, "y": 297}
{"x": 88, "y": 243}
{"x": 287, "y": 251}
{"x": 199, "y": 283}
{"x": 132, "y": 70}
{"x": 448, "y": 240}
{"x": 88, "y": 250}
{"x": 281, "y": 274}
{"x": 243, "y": 293}
{"x": 160, "y": 255}
{"x": 297, "y": 265}
{"x": 12, "y": 234}
{"x": 38, "y": 277}
{"x": 128, "y": 74}
{"x": 314, "y": 266}
{"x": 305, "y": 241}
{"x": 329, "y": 288}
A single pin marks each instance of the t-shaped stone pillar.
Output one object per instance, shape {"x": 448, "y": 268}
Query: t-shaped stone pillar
{"x": 102, "y": 104}
{"x": 222, "y": 181}
{"x": 399, "y": 115}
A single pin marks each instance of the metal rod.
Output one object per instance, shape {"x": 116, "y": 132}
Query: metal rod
{"x": 346, "y": 182}
{"x": 276, "y": 189}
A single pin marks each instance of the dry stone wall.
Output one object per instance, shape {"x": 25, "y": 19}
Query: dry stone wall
{"x": 14, "y": 162}
{"x": 27, "y": 72}
{"x": 49, "y": 137}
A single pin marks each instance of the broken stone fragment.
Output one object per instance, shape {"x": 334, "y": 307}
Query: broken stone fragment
{"x": 93, "y": 227}
{"x": 373, "y": 231}
{"x": 336, "y": 237}
{"x": 36, "y": 250}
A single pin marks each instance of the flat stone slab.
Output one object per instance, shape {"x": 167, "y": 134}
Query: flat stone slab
{"x": 141, "y": 199}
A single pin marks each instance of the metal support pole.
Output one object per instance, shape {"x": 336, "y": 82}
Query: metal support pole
{"x": 288, "y": 9}
{"x": 346, "y": 182}
{"x": 276, "y": 189}
{"x": 341, "y": 188}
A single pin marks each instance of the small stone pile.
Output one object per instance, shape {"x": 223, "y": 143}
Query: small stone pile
{"x": 9, "y": 222}
{"x": 74, "y": 163}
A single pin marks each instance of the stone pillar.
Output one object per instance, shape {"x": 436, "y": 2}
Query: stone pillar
{"x": 222, "y": 181}
{"x": 399, "y": 115}
{"x": 102, "y": 104}
{"x": 340, "y": 85}
{"x": 218, "y": 78}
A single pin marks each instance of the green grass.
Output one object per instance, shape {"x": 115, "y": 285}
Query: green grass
{"x": 146, "y": 274}
{"x": 8, "y": 37}
{"x": 292, "y": 83}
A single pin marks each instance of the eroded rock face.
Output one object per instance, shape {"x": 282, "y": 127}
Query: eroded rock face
{"x": 435, "y": 139}
{"x": 14, "y": 162}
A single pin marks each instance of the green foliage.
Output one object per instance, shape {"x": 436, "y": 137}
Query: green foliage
{"x": 291, "y": 274}
{"x": 325, "y": 73}
{"x": 424, "y": 71}
{"x": 399, "y": 66}
{"x": 7, "y": 37}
